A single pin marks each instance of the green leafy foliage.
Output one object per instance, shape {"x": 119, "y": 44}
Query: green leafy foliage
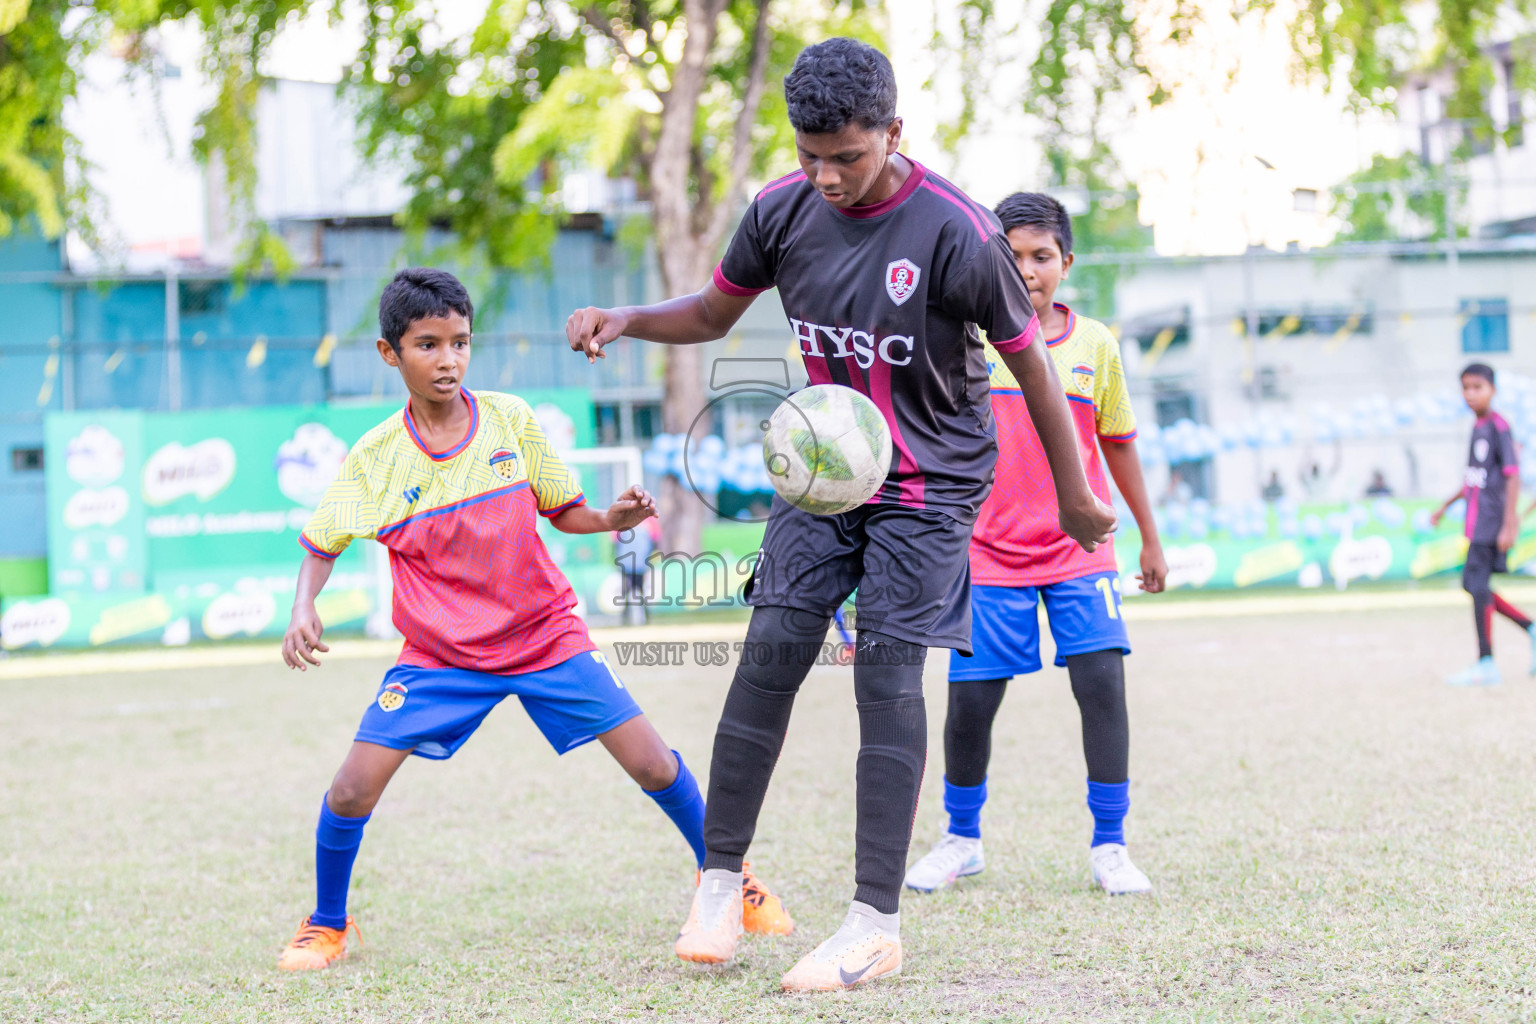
{"x": 36, "y": 75}
{"x": 1397, "y": 197}
{"x": 1370, "y": 47}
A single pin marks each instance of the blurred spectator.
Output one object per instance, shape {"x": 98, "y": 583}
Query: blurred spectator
{"x": 1378, "y": 486}
{"x": 1274, "y": 490}
{"x": 632, "y": 551}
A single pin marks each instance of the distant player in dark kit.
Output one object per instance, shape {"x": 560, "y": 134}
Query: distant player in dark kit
{"x": 1020, "y": 559}
{"x": 454, "y": 485}
{"x": 885, "y": 271}
{"x": 1491, "y": 489}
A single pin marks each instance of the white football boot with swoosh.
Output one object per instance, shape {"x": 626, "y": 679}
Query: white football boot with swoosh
{"x": 866, "y": 947}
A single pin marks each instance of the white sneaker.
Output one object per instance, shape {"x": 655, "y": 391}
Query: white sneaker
{"x": 954, "y": 857}
{"x": 1113, "y": 871}
{"x": 1484, "y": 672}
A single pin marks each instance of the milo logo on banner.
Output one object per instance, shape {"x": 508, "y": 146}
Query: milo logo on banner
{"x": 175, "y": 471}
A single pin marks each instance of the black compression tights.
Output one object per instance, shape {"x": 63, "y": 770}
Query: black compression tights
{"x": 782, "y": 646}
{"x": 1098, "y": 683}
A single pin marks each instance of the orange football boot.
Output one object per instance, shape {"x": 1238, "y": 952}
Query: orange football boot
{"x": 316, "y": 946}
{"x": 762, "y": 913}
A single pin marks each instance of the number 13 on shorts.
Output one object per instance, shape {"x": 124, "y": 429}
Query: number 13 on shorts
{"x": 1109, "y": 588}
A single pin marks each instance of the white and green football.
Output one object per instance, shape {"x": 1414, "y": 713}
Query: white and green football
{"x": 827, "y": 449}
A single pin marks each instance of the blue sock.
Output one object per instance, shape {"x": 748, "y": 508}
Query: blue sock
{"x": 964, "y": 806}
{"x": 684, "y": 804}
{"x": 1109, "y": 801}
{"x": 336, "y": 843}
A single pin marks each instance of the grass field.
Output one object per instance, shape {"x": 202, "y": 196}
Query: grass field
{"x": 1334, "y": 835}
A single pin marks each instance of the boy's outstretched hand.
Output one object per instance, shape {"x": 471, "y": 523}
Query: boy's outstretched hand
{"x": 632, "y": 508}
{"x": 589, "y": 329}
{"x": 303, "y": 639}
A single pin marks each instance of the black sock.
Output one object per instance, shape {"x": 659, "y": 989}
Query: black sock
{"x": 968, "y": 730}
{"x": 893, "y": 749}
{"x": 1098, "y": 683}
{"x": 1475, "y": 581}
{"x": 780, "y": 649}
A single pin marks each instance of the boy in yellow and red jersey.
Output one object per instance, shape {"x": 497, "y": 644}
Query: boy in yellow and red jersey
{"x": 1020, "y": 557}
{"x": 453, "y": 486}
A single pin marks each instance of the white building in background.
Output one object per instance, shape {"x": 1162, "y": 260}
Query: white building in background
{"x": 1501, "y": 173}
{"x": 1354, "y": 367}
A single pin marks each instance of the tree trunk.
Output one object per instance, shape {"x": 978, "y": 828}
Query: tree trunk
{"x": 688, "y": 236}
{"x": 683, "y": 511}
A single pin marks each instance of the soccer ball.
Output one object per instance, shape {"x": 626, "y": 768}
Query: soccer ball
{"x": 827, "y": 449}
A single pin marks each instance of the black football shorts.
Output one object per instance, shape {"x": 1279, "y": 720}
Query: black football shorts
{"x": 910, "y": 566}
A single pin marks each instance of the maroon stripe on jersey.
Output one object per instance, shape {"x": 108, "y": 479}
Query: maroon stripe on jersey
{"x": 916, "y": 178}
{"x": 910, "y": 489}
{"x": 817, "y": 370}
{"x": 734, "y": 289}
{"x": 975, "y": 221}
{"x": 965, "y": 200}
{"x": 788, "y": 179}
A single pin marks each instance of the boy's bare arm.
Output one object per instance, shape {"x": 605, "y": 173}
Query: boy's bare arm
{"x": 632, "y": 508}
{"x": 706, "y": 315}
{"x": 1125, "y": 468}
{"x": 1510, "y": 531}
{"x": 1081, "y": 516}
{"x": 304, "y": 627}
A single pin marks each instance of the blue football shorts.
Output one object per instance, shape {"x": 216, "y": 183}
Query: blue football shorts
{"x": 1005, "y": 625}
{"x": 432, "y": 711}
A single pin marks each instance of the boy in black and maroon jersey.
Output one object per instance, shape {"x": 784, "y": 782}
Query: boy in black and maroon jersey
{"x": 886, "y": 271}
{"x": 1491, "y": 487}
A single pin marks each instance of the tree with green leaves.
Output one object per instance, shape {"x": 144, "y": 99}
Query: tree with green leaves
{"x": 1398, "y": 197}
{"x": 673, "y": 93}
{"x": 44, "y": 184}
{"x": 1106, "y": 57}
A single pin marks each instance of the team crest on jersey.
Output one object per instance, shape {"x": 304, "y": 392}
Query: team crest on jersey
{"x": 1480, "y": 449}
{"x": 504, "y": 462}
{"x": 392, "y": 696}
{"x": 1082, "y": 378}
{"x": 901, "y": 279}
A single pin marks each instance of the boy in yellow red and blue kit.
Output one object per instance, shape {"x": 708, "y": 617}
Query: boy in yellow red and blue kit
{"x": 1020, "y": 559}
{"x": 453, "y": 486}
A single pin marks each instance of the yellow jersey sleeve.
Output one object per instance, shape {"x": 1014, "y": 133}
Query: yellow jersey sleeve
{"x": 346, "y": 513}
{"x": 555, "y": 487}
{"x": 1111, "y": 398}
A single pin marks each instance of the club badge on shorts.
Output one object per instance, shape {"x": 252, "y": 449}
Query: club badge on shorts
{"x": 901, "y": 278}
{"x": 504, "y": 462}
{"x": 392, "y": 696}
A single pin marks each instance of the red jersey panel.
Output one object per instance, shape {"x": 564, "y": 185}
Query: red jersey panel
{"x": 1017, "y": 541}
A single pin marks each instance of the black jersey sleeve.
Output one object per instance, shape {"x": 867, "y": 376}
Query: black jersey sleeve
{"x": 748, "y": 268}
{"x": 988, "y": 292}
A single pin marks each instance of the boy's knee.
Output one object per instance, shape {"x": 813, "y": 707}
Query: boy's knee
{"x": 1098, "y": 680}
{"x": 349, "y": 797}
{"x": 656, "y": 773}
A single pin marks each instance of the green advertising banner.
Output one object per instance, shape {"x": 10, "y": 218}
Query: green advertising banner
{"x": 95, "y": 510}
{"x": 173, "y": 527}
{"x": 244, "y": 610}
